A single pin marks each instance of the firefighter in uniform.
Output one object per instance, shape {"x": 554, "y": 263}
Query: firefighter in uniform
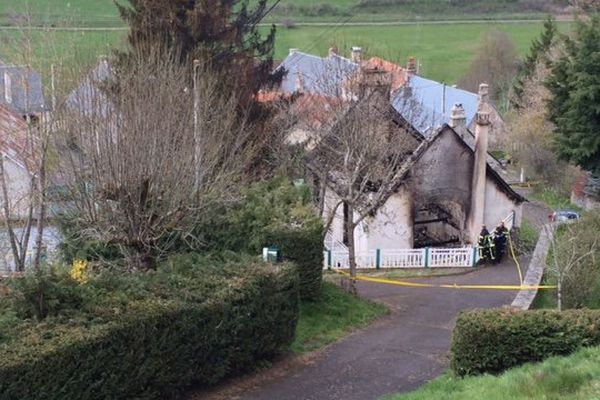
{"x": 500, "y": 236}
{"x": 485, "y": 245}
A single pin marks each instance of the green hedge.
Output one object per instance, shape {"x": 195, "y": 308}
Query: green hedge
{"x": 156, "y": 347}
{"x": 303, "y": 247}
{"x": 491, "y": 341}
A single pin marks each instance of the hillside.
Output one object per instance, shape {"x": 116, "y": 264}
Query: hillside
{"x": 103, "y": 13}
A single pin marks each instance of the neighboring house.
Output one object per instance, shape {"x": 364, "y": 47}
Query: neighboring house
{"x": 586, "y": 192}
{"x": 88, "y": 99}
{"x": 21, "y": 90}
{"x": 423, "y": 103}
{"x": 18, "y": 163}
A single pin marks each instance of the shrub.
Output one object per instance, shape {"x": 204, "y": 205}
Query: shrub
{"x": 43, "y": 293}
{"x": 154, "y": 347}
{"x": 581, "y": 286}
{"x": 491, "y": 341}
{"x": 303, "y": 247}
{"x": 274, "y": 212}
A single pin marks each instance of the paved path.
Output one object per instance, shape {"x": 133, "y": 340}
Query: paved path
{"x": 397, "y": 354}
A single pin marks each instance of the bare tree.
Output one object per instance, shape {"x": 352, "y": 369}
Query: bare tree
{"x": 24, "y": 199}
{"x": 495, "y": 63}
{"x": 568, "y": 256}
{"x": 531, "y": 135}
{"x": 151, "y": 150}
{"x": 360, "y": 155}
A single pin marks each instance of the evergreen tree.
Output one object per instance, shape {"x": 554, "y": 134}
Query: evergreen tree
{"x": 222, "y": 33}
{"x": 538, "y": 52}
{"x": 574, "y": 106}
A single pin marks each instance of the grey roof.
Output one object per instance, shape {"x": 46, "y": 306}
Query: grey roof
{"x": 427, "y": 104}
{"x": 25, "y": 88}
{"x": 318, "y": 75}
{"x": 89, "y": 98}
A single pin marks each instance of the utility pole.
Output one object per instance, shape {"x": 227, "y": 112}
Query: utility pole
{"x": 197, "y": 139}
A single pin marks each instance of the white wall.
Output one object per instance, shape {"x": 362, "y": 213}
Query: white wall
{"x": 390, "y": 228}
{"x": 19, "y": 182}
{"x": 498, "y": 206}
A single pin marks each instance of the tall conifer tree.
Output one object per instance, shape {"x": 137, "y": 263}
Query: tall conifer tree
{"x": 575, "y": 103}
{"x": 222, "y": 33}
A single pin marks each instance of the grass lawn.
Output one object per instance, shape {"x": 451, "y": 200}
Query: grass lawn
{"x": 334, "y": 315}
{"x": 444, "y": 51}
{"x": 104, "y": 13}
{"x": 553, "y": 199}
{"x": 68, "y": 51}
{"x": 528, "y": 236}
{"x": 576, "y": 377}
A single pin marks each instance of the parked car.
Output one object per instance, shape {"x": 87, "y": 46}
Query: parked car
{"x": 564, "y": 216}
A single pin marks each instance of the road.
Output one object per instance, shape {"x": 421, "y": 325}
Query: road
{"x": 397, "y": 354}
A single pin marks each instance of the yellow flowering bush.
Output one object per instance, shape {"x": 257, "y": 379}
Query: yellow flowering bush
{"x": 79, "y": 271}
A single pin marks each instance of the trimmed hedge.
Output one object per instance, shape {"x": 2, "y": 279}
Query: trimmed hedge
{"x": 491, "y": 341}
{"x": 303, "y": 247}
{"x": 156, "y": 347}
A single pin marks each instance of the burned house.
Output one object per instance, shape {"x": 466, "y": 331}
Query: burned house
{"x": 450, "y": 184}
{"x": 449, "y": 189}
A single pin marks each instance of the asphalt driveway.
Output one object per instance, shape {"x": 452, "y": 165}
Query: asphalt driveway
{"x": 396, "y": 354}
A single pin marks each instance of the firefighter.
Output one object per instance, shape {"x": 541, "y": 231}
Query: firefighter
{"x": 485, "y": 245}
{"x": 500, "y": 236}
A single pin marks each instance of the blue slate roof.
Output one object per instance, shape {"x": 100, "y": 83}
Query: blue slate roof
{"x": 26, "y": 89}
{"x": 319, "y": 75}
{"x": 420, "y": 103}
{"x": 89, "y": 98}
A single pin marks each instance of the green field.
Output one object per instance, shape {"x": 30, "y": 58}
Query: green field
{"x": 104, "y": 13}
{"x": 444, "y": 51}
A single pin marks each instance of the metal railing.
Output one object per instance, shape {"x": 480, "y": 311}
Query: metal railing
{"x": 403, "y": 258}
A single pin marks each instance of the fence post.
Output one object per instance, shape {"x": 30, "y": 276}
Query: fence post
{"x": 426, "y": 257}
{"x": 474, "y": 262}
{"x": 378, "y": 258}
{"x": 329, "y": 260}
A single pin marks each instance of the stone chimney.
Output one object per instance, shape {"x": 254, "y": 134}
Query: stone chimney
{"x": 298, "y": 82}
{"x": 484, "y": 94}
{"x": 333, "y": 51}
{"x": 411, "y": 66}
{"x": 375, "y": 83}
{"x": 7, "y": 88}
{"x": 356, "y": 54}
{"x": 482, "y": 126}
{"x": 458, "y": 120}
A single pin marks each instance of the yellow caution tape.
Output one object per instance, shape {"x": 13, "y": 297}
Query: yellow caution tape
{"x": 512, "y": 252}
{"x": 444, "y": 286}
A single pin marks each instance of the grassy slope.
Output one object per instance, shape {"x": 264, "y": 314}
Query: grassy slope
{"x": 103, "y": 12}
{"x": 334, "y": 315}
{"x": 570, "y": 378}
{"x": 444, "y": 51}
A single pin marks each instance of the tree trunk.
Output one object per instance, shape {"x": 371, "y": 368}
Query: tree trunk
{"x": 559, "y": 293}
{"x": 349, "y": 225}
{"x": 41, "y": 218}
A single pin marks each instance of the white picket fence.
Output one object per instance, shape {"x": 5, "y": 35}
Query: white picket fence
{"x": 403, "y": 258}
